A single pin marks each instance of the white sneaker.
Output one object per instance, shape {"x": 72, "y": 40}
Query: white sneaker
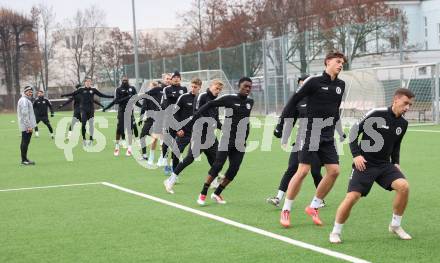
{"x": 69, "y": 135}
{"x": 150, "y": 163}
{"x": 116, "y": 152}
{"x": 218, "y": 199}
{"x": 335, "y": 238}
{"x": 161, "y": 162}
{"x": 37, "y": 134}
{"x": 52, "y": 136}
{"x": 168, "y": 186}
{"x": 398, "y": 230}
{"x": 128, "y": 152}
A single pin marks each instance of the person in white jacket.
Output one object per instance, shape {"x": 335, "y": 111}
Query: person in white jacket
{"x": 26, "y": 122}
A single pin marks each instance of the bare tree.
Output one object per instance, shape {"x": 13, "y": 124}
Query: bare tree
{"x": 112, "y": 53}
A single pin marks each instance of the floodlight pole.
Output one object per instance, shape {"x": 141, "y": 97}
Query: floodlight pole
{"x": 136, "y": 57}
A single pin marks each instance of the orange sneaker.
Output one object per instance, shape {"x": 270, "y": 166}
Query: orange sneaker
{"x": 314, "y": 213}
{"x": 285, "y": 218}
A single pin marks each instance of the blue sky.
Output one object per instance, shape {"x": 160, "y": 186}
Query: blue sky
{"x": 149, "y": 13}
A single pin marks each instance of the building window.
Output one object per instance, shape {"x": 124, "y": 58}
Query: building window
{"x": 67, "y": 42}
{"x": 426, "y": 26}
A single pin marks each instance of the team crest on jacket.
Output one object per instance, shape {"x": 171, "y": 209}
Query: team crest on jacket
{"x": 248, "y": 106}
{"x": 338, "y": 90}
{"x": 130, "y": 89}
{"x": 398, "y": 130}
{"x": 44, "y": 102}
{"x": 91, "y": 92}
{"x": 180, "y": 91}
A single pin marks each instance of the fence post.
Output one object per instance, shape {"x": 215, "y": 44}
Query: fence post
{"x": 263, "y": 44}
{"x": 436, "y": 94}
{"x": 220, "y": 60}
{"x": 163, "y": 65}
{"x": 199, "y": 60}
{"x": 244, "y": 60}
{"x": 283, "y": 58}
{"x": 150, "y": 70}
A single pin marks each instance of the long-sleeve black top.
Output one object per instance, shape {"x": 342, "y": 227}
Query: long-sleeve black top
{"x": 382, "y": 130}
{"x": 86, "y": 97}
{"x": 324, "y": 97}
{"x": 171, "y": 94}
{"x": 41, "y": 106}
{"x": 123, "y": 95}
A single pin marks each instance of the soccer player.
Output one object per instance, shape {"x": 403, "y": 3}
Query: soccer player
{"x": 386, "y": 128}
{"x": 41, "y": 106}
{"x": 170, "y": 95}
{"x": 203, "y": 98}
{"x": 324, "y": 95}
{"x": 26, "y": 122}
{"x": 232, "y": 143}
{"x": 87, "y": 109}
{"x": 123, "y": 95}
{"x": 301, "y": 113}
{"x": 150, "y": 127}
{"x": 76, "y": 109}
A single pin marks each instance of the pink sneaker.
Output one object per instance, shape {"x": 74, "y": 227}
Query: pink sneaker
{"x": 201, "y": 200}
{"x": 285, "y": 218}
{"x": 314, "y": 213}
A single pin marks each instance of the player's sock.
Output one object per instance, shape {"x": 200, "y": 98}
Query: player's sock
{"x": 396, "y": 220}
{"x": 205, "y": 189}
{"x": 219, "y": 190}
{"x": 151, "y": 156}
{"x": 316, "y": 203}
{"x": 287, "y": 204}
{"x": 172, "y": 179}
{"x": 337, "y": 228}
{"x": 280, "y": 194}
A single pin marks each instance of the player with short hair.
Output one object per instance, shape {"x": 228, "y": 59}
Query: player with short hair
{"x": 123, "y": 95}
{"x": 324, "y": 95}
{"x": 41, "y": 106}
{"x": 232, "y": 143}
{"x": 203, "y": 98}
{"x": 385, "y": 127}
{"x": 87, "y": 94}
{"x": 293, "y": 158}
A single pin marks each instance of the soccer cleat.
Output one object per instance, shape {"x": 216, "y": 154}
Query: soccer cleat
{"x": 28, "y": 162}
{"x": 116, "y": 152}
{"x": 143, "y": 158}
{"x": 128, "y": 152}
{"x": 273, "y": 201}
{"x": 335, "y": 238}
{"x": 69, "y": 135}
{"x": 150, "y": 163}
{"x": 168, "y": 186}
{"x": 167, "y": 170}
{"x": 161, "y": 162}
{"x": 314, "y": 213}
{"x": 398, "y": 230}
{"x": 201, "y": 200}
{"x": 37, "y": 134}
{"x": 218, "y": 199}
{"x": 52, "y": 136}
{"x": 84, "y": 143}
{"x": 285, "y": 218}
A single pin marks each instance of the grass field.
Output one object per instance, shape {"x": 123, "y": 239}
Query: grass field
{"x": 96, "y": 223}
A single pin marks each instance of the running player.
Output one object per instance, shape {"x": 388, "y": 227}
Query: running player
{"x": 41, "y": 107}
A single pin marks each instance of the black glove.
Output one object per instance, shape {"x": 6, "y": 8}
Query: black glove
{"x": 52, "y": 114}
{"x": 278, "y": 132}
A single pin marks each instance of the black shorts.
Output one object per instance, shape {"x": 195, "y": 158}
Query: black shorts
{"x": 77, "y": 113}
{"x": 147, "y": 128}
{"x": 326, "y": 152}
{"x": 382, "y": 174}
{"x": 44, "y": 119}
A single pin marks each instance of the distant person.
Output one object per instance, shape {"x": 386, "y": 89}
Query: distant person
{"x": 26, "y": 122}
{"x": 41, "y": 106}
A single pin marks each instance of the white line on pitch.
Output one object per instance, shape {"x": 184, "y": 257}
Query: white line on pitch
{"x": 434, "y": 131}
{"x": 242, "y": 226}
{"x": 47, "y": 187}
